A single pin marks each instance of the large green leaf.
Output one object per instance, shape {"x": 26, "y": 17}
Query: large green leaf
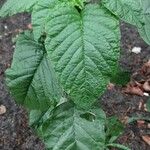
{"x": 31, "y": 78}
{"x": 84, "y": 49}
{"x": 70, "y": 128}
{"x": 128, "y": 10}
{"x": 145, "y": 30}
{"x": 12, "y": 7}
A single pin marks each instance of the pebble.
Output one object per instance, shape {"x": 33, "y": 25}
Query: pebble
{"x": 5, "y": 27}
{"x": 136, "y": 50}
{"x": 146, "y": 94}
{"x": 2, "y": 109}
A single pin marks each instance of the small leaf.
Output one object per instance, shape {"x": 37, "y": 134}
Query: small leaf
{"x": 146, "y": 139}
{"x": 118, "y": 146}
{"x": 31, "y": 78}
{"x": 66, "y": 129}
{"x": 114, "y": 129}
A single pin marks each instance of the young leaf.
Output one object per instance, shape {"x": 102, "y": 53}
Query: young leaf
{"x": 67, "y": 129}
{"x": 129, "y": 11}
{"x": 84, "y": 49}
{"x": 31, "y": 78}
{"x": 12, "y": 7}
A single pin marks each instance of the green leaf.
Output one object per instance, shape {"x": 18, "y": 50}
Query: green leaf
{"x": 118, "y": 146}
{"x": 42, "y": 8}
{"x": 145, "y": 30}
{"x": 121, "y": 77}
{"x": 31, "y": 78}
{"x": 135, "y": 12}
{"x": 39, "y": 15}
{"x": 34, "y": 116}
{"x": 12, "y": 7}
{"x": 84, "y": 49}
{"x": 68, "y": 129}
{"x": 129, "y": 11}
{"x": 114, "y": 129}
{"x": 37, "y": 117}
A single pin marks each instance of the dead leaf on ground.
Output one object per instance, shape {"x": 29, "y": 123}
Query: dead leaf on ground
{"x": 146, "y": 86}
{"x": 146, "y": 138}
{"x": 140, "y": 81}
{"x": 124, "y": 119}
{"x": 133, "y": 89}
{"x": 146, "y": 69}
{"x": 140, "y": 123}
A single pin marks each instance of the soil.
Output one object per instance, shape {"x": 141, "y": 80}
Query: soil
{"x": 15, "y": 133}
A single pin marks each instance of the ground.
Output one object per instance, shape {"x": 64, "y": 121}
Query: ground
{"x": 15, "y": 133}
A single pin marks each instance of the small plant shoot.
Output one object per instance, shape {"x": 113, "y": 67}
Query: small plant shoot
{"x": 64, "y": 64}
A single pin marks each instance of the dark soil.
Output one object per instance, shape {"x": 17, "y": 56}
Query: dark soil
{"x": 15, "y": 133}
{"x": 116, "y": 102}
